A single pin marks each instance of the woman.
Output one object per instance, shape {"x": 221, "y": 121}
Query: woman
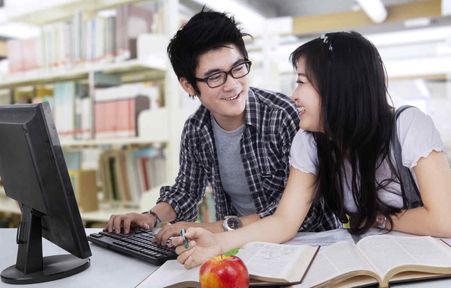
{"x": 343, "y": 153}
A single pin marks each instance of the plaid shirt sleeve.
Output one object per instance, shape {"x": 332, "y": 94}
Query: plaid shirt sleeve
{"x": 287, "y": 126}
{"x": 190, "y": 183}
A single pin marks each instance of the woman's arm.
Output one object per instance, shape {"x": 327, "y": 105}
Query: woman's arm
{"x": 434, "y": 183}
{"x": 279, "y": 227}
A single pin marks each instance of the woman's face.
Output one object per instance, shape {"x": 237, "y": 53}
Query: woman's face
{"x": 307, "y": 101}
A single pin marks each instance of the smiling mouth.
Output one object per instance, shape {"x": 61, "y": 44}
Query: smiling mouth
{"x": 301, "y": 109}
{"x": 232, "y": 98}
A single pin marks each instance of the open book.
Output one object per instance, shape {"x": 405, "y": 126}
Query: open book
{"x": 379, "y": 259}
{"x": 288, "y": 264}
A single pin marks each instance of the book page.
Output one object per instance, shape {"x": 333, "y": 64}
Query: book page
{"x": 331, "y": 262}
{"x": 323, "y": 238}
{"x": 386, "y": 252}
{"x": 170, "y": 274}
{"x": 447, "y": 241}
{"x": 281, "y": 259}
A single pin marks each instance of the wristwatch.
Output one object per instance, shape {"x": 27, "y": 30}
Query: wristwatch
{"x": 231, "y": 223}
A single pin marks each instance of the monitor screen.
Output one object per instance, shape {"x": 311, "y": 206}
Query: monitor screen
{"x": 34, "y": 173}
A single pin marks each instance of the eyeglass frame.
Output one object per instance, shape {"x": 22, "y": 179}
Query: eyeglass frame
{"x": 246, "y": 62}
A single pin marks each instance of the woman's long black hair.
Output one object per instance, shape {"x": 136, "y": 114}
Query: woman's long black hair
{"x": 347, "y": 71}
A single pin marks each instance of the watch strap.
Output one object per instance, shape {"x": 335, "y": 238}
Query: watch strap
{"x": 157, "y": 218}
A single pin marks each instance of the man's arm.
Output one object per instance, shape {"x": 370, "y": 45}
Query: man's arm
{"x": 177, "y": 202}
{"x": 185, "y": 195}
{"x": 124, "y": 222}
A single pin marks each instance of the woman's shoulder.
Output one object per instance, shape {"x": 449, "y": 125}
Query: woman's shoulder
{"x": 303, "y": 154}
{"x": 411, "y": 114}
{"x": 414, "y": 121}
{"x": 417, "y": 136}
{"x": 304, "y": 138}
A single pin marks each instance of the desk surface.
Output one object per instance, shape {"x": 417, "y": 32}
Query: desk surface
{"x": 109, "y": 269}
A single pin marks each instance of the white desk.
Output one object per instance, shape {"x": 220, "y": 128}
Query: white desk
{"x": 110, "y": 269}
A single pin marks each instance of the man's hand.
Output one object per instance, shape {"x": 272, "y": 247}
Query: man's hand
{"x": 202, "y": 245}
{"x": 126, "y": 221}
{"x": 171, "y": 230}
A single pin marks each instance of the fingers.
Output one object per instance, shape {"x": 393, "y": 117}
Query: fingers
{"x": 160, "y": 233}
{"x": 110, "y": 225}
{"x": 177, "y": 241}
{"x": 117, "y": 223}
{"x": 146, "y": 222}
{"x": 189, "y": 259}
{"x": 180, "y": 247}
{"x": 196, "y": 232}
{"x": 182, "y": 257}
{"x": 192, "y": 262}
{"x": 168, "y": 231}
{"x": 124, "y": 222}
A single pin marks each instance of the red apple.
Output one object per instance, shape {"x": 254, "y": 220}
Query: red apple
{"x": 224, "y": 272}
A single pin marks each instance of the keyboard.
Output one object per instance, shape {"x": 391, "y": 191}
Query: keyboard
{"x": 137, "y": 244}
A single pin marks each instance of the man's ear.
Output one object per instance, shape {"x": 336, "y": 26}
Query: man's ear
{"x": 187, "y": 86}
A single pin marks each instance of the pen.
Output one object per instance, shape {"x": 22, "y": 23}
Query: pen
{"x": 185, "y": 240}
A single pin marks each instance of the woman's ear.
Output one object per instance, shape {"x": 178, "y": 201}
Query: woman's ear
{"x": 187, "y": 86}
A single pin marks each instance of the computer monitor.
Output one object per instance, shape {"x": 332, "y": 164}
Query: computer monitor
{"x": 34, "y": 173}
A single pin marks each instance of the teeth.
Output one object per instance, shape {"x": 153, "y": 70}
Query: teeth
{"x": 301, "y": 109}
{"x": 231, "y": 98}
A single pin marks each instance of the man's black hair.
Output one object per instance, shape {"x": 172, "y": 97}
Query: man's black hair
{"x": 205, "y": 31}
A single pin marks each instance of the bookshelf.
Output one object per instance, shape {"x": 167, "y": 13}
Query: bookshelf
{"x": 158, "y": 128}
{"x": 2, "y": 49}
{"x": 53, "y": 13}
{"x": 39, "y": 77}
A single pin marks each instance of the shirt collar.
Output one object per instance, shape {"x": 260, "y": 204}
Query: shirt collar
{"x": 252, "y": 109}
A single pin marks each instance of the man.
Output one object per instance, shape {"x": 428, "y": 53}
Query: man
{"x": 238, "y": 141}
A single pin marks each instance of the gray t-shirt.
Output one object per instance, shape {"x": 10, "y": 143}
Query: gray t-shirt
{"x": 231, "y": 168}
{"x": 418, "y": 138}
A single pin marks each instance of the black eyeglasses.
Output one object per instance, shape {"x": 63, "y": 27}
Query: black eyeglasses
{"x": 219, "y": 78}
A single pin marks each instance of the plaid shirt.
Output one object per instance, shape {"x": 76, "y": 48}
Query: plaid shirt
{"x": 270, "y": 126}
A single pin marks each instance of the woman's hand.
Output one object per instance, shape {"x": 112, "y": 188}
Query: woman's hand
{"x": 202, "y": 245}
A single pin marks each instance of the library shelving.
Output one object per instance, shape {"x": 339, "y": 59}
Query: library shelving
{"x": 82, "y": 67}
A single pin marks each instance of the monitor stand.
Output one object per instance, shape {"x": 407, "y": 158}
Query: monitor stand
{"x": 31, "y": 267}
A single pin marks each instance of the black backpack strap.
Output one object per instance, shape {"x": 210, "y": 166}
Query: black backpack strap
{"x": 408, "y": 185}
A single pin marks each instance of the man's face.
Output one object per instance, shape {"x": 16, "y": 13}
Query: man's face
{"x": 227, "y": 102}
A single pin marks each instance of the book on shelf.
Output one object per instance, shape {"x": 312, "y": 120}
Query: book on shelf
{"x": 71, "y": 109}
{"x": 133, "y": 20}
{"x": 288, "y": 264}
{"x": 23, "y": 95}
{"x": 82, "y": 112}
{"x": 127, "y": 174}
{"x": 86, "y": 37}
{"x": 5, "y": 96}
{"x": 84, "y": 183}
{"x": 117, "y": 108}
{"x": 14, "y": 50}
{"x": 3, "y": 52}
{"x": 379, "y": 260}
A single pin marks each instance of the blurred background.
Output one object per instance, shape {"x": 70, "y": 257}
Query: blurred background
{"x": 117, "y": 105}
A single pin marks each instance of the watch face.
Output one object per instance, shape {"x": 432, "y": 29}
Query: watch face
{"x": 234, "y": 222}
